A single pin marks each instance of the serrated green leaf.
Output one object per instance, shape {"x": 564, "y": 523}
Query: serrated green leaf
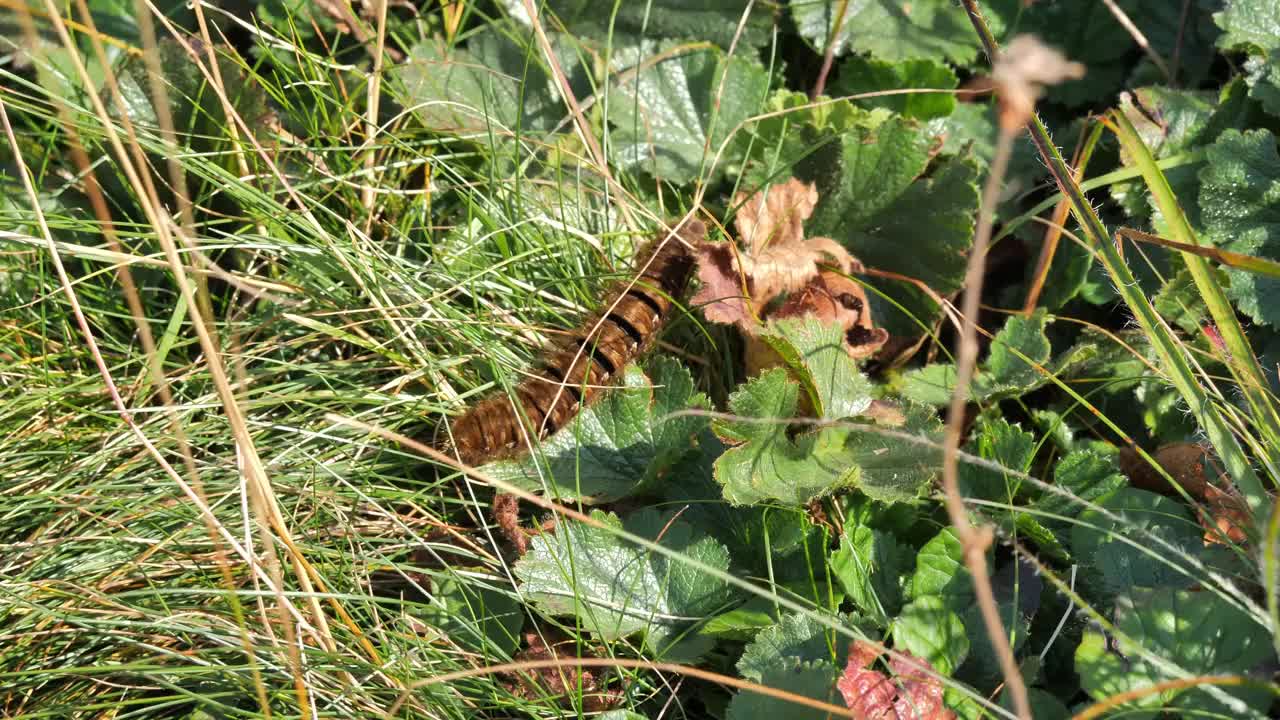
{"x": 888, "y": 29}
{"x": 970, "y": 126}
{"x": 1006, "y": 444}
{"x": 616, "y": 589}
{"x": 792, "y": 128}
{"x": 1171, "y": 122}
{"x": 1240, "y": 197}
{"x": 816, "y": 353}
{"x": 811, "y": 680}
{"x": 859, "y": 75}
{"x": 743, "y": 622}
{"x": 871, "y": 567}
{"x": 1021, "y": 336}
{"x": 928, "y": 627}
{"x": 713, "y": 21}
{"x": 940, "y": 570}
{"x": 982, "y": 662}
{"x": 1180, "y": 303}
{"x": 880, "y": 159}
{"x": 1196, "y": 631}
{"x": 794, "y": 638}
{"x": 1004, "y": 374}
{"x": 783, "y": 543}
{"x": 1100, "y": 541}
{"x": 895, "y": 469}
{"x": 1086, "y": 474}
{"x": 938, "y": 240}
{"x": 1263, "y": 77}
{"x": 1249, "y": 24}
{"x": 199, "y": 118}
{"x": 1095, "y": 39}
{"x": 671, "y": 111}
{"x": 619, "y": 446}
{"x": 769, "y": 465}
{"x": 1034, "y": 531}
{"x": 932, "y": 384}
{"x": 496, "y": 84}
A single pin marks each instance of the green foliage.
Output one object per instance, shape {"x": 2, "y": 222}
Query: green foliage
{"x": 928, "y": 627}
{"x": 674, "y": 110}
{"x": 768, "y": 464}
{"x": 1082, "y": 476}
{"x": 794, "y": 638}
{"x": 940, "y": 571}
{"x": 871, "y": 192}
{"x": 477, "y": 617}
{"x": 1249, "y": 24}
{"x": 796, "y": 654}
{"x": 1192, "y": 633}
{"x": 620, "y": 446}
{"x": 1006, "y": 445}
{"x": 614, "y": 588}
{"x": 496, "y": 86}
{"x": 807, "y": 679}
{"x": 708, "y": 20}
{"x": 873, "y": 169}
{"x": 197, "y": 111}
{"x": 860, "y": 75}
{"x": 1137, "y": 539}
{"x": 815, "y": 353}
{"x": 231, "y": 545}
{"x": 1180, "y": 303}
{"x": 1007, "y": 372}
{"x": 931, "y": 29}
{"x": 871, "y": 566}
{"x": 1264, "y": 80}
{"x": 1239, "y": 193}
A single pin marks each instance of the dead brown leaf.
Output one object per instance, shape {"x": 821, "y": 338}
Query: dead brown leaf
{"x": 776, "y": 259}
{"x": 721, "y": 293}
{"x": 1191, "y": 466}
{"x": 774, "y": 216}
{"x": 832, "y": 298}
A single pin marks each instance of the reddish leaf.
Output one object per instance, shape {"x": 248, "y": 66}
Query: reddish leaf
{"x": 911, "y": 694}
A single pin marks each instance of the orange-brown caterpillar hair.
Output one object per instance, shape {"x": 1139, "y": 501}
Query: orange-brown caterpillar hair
{"x": 574, "y": 369}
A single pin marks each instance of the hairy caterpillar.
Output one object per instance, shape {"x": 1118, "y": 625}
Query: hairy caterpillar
{"x": 573, "y": 370}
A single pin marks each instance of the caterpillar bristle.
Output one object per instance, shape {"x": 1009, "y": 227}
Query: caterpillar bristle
{"x": 572, "y": 372}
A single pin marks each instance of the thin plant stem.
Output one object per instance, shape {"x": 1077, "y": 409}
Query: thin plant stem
{"x": 1060, "y": 212}
{"x": 371, "y": 116}
{"x": 975, "y": 540}
{"x": 1123, "y": 18}
{"x": 828, "y": 57}
{"x": 1101, "y": 707}
{"x": 1163, "y": 342}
